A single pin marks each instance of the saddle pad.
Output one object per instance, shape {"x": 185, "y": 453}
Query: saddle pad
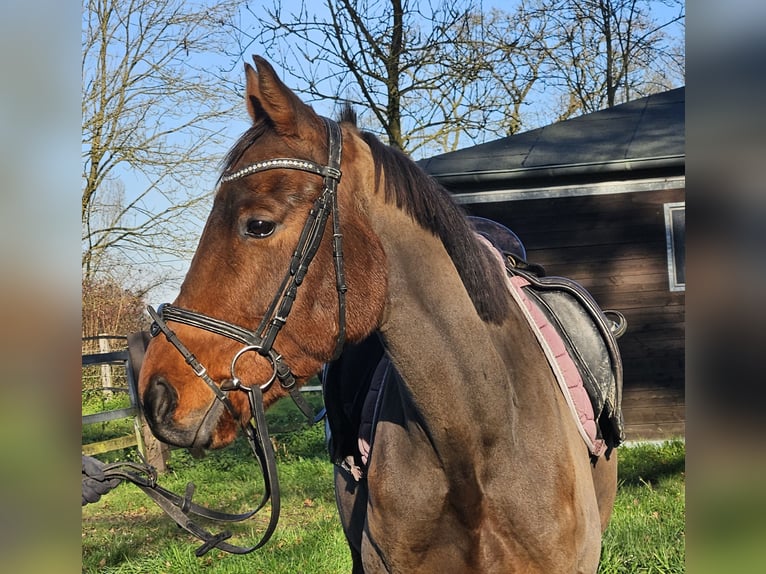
{"x": 590, "y": 336}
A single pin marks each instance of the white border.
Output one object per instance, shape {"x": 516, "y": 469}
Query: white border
{"x": 671, "y": 247}
{"x": 605, "y": 188}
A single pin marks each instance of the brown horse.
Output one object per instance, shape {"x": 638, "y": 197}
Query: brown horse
{"x": 477, "y": 466}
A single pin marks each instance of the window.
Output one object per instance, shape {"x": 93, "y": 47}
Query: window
{"x": 675, "y": 234}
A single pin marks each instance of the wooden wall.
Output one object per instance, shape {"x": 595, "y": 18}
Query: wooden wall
{"x": 615, "y": 246}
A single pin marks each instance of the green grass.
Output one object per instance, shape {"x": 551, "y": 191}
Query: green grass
{"x": 646, "y": 534}
{"x": 95, "y": 401}
{"x": 126, "y": 533}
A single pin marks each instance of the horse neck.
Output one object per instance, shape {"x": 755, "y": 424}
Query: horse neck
{"x": 447, "y": 356}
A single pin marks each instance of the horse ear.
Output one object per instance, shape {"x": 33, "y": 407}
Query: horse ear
{"x": 254, "y": 109}
{"x": 267, "y": 97}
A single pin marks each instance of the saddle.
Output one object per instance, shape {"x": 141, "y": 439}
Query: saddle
{"x": 589, "y": 335}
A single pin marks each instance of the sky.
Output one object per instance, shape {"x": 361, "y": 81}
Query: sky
{"x": 168, "y": 290}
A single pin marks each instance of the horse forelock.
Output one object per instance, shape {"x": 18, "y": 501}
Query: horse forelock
{"x": 245, "y": 141}
{"x": 412, "y": 190}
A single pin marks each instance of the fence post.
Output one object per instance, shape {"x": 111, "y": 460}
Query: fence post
{"x": 106, "y": 369}
{"x": 156, "y": 453}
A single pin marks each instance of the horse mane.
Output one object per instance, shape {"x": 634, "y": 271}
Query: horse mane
{"x": 430, "y": 204}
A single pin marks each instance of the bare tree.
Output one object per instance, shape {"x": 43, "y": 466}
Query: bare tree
{"x": 107, "y": 307}
{"x": 153, "y": 102}
{"x": 429, "y": 73}
{"x": 606, "y": 52}
{"x": 438, "y": 75}
{"x": 510, "y": 53}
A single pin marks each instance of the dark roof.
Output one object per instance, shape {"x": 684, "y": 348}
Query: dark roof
{"x": 637, "y": 139}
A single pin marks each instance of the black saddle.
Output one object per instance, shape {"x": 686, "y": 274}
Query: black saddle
{"x": 590, "y": 335}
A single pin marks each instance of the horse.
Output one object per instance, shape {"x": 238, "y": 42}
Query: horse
{"x": 476, "y": 465}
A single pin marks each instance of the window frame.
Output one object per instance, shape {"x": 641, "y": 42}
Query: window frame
{"x": 675, "y": 240}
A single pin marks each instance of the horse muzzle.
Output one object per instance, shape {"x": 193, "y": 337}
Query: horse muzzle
{"x": 197, "y": 430}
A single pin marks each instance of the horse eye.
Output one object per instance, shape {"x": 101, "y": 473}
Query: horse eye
{"x": 259, "y": 228}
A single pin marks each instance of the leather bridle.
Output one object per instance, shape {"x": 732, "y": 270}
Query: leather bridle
{"x": 262, "y": 339}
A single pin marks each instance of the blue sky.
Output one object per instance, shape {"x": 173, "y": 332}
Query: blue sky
{"x": 205, "y": 186}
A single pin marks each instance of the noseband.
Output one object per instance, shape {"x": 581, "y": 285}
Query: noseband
{"x": 262, "y": 339}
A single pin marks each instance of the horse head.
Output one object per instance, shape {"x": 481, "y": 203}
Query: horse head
{"x": 264, "y": 269}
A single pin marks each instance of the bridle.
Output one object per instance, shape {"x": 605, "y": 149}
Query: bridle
{"x": 262, "y": 339}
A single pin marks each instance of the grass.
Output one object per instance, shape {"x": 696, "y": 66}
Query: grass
{"x": 126, "y": 533}
{"x": 94, "y": 401}
{"x": 646, "y": 534}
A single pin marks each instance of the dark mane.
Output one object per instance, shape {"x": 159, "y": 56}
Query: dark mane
{"x": 430, "y": 204}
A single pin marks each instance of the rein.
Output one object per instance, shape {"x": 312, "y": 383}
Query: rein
{"x": 260, "y": 341}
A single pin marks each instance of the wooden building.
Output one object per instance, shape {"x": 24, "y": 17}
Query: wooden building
{"x": 600, "y": 199}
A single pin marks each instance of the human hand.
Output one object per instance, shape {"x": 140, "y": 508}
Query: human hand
{"x": 94, "y": 482}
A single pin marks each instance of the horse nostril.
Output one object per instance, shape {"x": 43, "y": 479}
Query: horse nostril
{"x": 160, "y": 399}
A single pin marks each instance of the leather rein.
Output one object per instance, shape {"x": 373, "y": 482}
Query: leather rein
{"x": 260, "y": 341}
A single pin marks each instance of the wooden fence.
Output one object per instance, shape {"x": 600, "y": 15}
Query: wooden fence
{"x": 118, "y": 374}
